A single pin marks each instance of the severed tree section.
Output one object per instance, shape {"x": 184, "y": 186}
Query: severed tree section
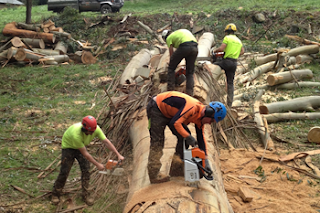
{"x": 285, "y": 77}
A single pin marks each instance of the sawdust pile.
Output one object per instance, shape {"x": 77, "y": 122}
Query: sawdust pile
{"x": 274, "y": 187}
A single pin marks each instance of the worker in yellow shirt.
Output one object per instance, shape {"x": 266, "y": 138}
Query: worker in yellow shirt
{"x": 232, "y": 48}
{"x": 186, "y": 47}
{"x": 74, "y": 142}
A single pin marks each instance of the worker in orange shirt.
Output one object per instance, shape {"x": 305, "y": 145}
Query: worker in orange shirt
{"x": 232, "y": 48}
{"x": 176, "y": 110}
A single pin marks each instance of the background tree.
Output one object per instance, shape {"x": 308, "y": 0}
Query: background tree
{"x": 28, "y": 13}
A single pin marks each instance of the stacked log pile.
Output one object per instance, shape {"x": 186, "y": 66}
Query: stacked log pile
{"x": 41, "y": 43}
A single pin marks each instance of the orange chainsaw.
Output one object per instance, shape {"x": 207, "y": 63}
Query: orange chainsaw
{"x": 111, "y": 167}
{"x": 218, "y": 56}
{"x": 180, "y": 76}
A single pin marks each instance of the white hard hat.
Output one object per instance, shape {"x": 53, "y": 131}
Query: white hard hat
{"x": 165, "y": 33}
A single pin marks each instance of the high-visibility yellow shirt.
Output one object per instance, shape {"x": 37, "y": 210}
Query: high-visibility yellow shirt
{"x": 180, "y": 36}
{"x": 74, "y": 138}
{"x": 233, "y": 47}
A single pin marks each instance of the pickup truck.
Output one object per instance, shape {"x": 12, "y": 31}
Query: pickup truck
{"x": 104, "y": 6}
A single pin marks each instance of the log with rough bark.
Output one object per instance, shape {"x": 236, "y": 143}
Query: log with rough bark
{"x": 314, "y": 135}
{"x": 277, "y": 117}
{"x": 25, "y": 26}
{"x": 265, "y": 59}
{"x": 14, "y": 42}
{"x": 262, "y": 124}
{"x": 10, "y": 29}
{"x": 284, "y": 77}
{"x": 309, "y": 103}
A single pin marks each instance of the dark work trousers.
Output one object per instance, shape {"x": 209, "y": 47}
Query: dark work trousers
{"x": 229, "y": 65}
{"x": 189, "y": 51}
{"x": 157, "y": 125}
{"x": 67, "y": 159}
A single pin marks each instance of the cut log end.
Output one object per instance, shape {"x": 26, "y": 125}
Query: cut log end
{"x": 88, "y": 58}
{"x": 271, "y": 80}
{"x": 314, "y": 135}
{"x": 263, "y": 109}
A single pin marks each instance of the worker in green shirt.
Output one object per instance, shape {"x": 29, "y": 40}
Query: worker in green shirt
{"x": 232, "y": 48}
{"x": 74, "y": 140}
{"x": 186, "y": 47}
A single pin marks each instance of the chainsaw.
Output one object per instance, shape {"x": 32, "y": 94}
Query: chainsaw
{"x": 112, "y": 168}
{"x": 195, "y": 165}
{"x": 180, "y": 76}
{"x": 218, "y": 56}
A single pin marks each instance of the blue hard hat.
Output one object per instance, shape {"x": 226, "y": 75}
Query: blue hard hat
{"x": 220, "y": 110}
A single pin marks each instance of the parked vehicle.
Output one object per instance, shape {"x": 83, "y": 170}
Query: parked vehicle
{"x": 104, "y": 6}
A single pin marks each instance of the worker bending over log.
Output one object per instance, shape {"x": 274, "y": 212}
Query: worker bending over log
{"x": 73, "y": 147}
{"x": 186, "y": 47}
{"x": 176, "y": 110}
{"x": 232, "y": 48}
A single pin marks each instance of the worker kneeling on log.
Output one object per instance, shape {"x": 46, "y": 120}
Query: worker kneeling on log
{"x": 176, "y": 110}
{"x": 73, "y": 147}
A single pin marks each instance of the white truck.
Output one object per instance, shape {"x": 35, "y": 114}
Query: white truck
{"x": 104, "y": 6}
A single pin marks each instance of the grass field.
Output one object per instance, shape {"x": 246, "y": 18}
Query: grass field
{"x": 38, "y": 103}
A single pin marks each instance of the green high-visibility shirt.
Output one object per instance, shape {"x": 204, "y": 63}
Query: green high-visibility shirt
{"x": 233, "y": 47}
{"x": 74, "y": 138}
{"x": 180, "y": 36}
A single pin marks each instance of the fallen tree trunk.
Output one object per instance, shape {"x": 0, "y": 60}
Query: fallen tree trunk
{"x": 250, "y": 76}
{"x": 277, "y": 117}
{"x": 28, "y": 26}
{"x": 298, "y": 104}
{"x": 265, "y": 59}
{"x": 300, "y": 59}
{"x": 304, "y": 50}
{"x": 206, "y": 41}
{"x": 284, "y": 77}
{"x": 34, "y": 42}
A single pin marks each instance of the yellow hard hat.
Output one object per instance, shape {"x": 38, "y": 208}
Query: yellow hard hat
{"x": 231, "y": 26}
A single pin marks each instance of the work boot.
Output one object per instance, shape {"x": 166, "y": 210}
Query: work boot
{"x": 88, "y": 199}
{"x": 55, "y": 199}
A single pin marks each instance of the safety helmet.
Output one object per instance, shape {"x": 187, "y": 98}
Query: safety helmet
{"x": 165, "y": 34}
{"x": 89, "y": 123}
{"x": 231, "y": 26}
{"x": 220, "y": 110}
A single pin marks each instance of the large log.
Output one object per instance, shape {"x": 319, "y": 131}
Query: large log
{"x": 298, "y": 104}
{"x": 34, "y": 42}
{"x": 314, "y": 135}
{"x": 28, "y": 26}
{"x": 304, "y": 50}
{"x": 10, "y": 29}
{"x": 265, "y": 59}
{"x": 285, "y": 77}
{"x": 277, "y": 117}
{"x": 206, "y": 41}
{"x": 250, "y": 76}
{"x": 14, "y": 42}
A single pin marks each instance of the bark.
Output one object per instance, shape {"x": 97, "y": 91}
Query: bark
{"x": 10, "y": 29}
{"x": 46, "y": 51}
{"x": 28, "y": 11}
{"x": 28, "y": 26}
{"x": 314, "y": 134}
{"x": 284, "y": 77}
{"x": 298, "y": 104}
{"x": 277, "y": 117}
{"x": 139, "y": 60}
{"x": 262, "y": 124}
{"x": 265, "y": 59}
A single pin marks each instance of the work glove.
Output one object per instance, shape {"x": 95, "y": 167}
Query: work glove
{"x": 191, "y": 141}
{"x": 208, "y": 167}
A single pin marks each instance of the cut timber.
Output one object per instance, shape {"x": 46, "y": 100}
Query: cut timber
{"x": 304, "y": 50}
{"x": 276, "y": 117}
{"x": 29, "y": 55}
{"x": 298, "y": 155}
{"x": 302, "y": 40}
{"x": 10, "y": 29}
{"x": 14, "y": 42}
{"x": 46, "y": 51}
{"x": 300, "y": 59}
{"x": 61, "y": 34}
{"x": 206, "y": 41}
{"x": 34, "y": 42}
{"x": 20, "y": 54}
{"x": 285, "y": 77}
{"x": 246, "y": 194}
{"x": 139, "y": 60}
{"x": 61, "y": 47}
{"x": 314, "y": 135}
{"x": 28, "y": 26}
{"x": 265, "y": 59}
{"x": 262, "y": 125}
{"x": 88, "y": 58}
{"x": 56, "y": 58}
{"x": 298, "y": 104}
{"x": 250, "y": 76}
